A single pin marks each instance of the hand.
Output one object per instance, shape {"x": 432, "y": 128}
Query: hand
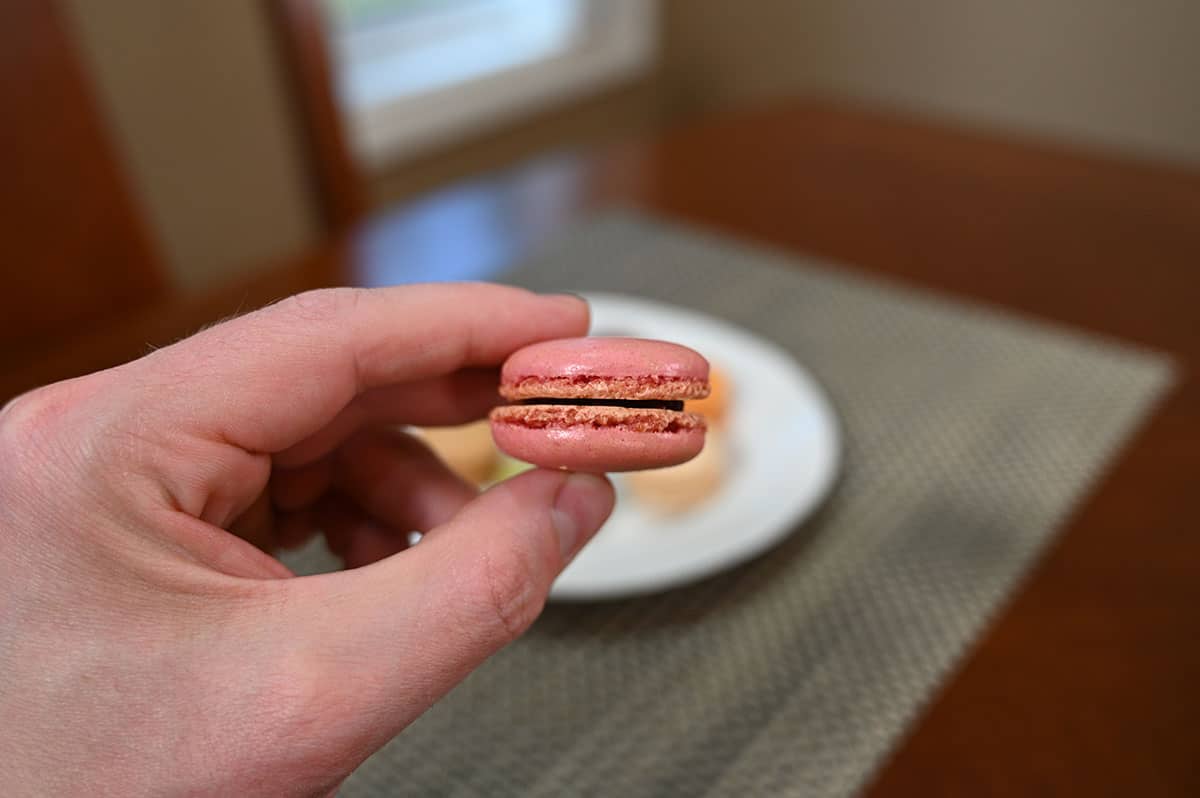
{"x": 144, "y": 648}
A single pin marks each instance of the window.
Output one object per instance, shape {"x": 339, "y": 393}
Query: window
{"x": 415, "y": 73}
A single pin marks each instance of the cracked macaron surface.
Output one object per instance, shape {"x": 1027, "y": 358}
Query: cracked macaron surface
{"x": 601, "y": 404}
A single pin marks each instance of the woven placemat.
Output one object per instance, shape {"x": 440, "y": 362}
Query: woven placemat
{"x": 970, "y": 434}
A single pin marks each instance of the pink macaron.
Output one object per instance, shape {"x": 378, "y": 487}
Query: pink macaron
{"x": 601, "y": 404}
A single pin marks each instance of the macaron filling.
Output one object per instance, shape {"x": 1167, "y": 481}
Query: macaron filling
{"x": 645, "y": 404}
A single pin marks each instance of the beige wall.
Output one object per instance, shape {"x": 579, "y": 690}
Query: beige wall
{"x": 1108, "y": 73}
{"x": 197, "y": 104}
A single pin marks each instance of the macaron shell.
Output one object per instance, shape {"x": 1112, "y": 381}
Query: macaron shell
{"x": 678, "y": 489}
{"x": 633, "y": 419}
{"x": 605, "y": 357}
{"x": 597, "y": 449}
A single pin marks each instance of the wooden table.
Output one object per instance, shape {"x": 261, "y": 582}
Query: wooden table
{"x": 1087, "y": 683}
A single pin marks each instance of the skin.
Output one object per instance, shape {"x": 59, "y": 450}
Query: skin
{"x": 147, "y": 647}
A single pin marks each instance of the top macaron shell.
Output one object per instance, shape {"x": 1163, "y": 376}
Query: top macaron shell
{"x": 604, "y": 437}
{"x": 604, "y": 357}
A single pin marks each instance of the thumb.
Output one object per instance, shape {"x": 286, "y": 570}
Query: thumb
{"x": 391, "y": 638}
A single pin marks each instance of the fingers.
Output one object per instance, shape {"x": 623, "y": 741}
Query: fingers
{"x": 437, "y": 401}
{"x": 294, "y": 489}
{"x": 366, "y": 498}
{"x": 256, "y": 524}
{"x": 354, "y": 536}
{"x": 270, "y": 379}
{"x": 403, "y": 631}
{"x": 395, "y": 477}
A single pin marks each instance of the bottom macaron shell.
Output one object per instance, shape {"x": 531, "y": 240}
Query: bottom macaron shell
{"x": 597, "y": 449}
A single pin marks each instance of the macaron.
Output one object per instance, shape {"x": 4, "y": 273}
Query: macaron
{"x": 715, "y": 406}
{"x": 678, "y": 489}
{"x": 601, "y": 404}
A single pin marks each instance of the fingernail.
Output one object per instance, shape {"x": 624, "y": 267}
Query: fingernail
{"x": 567, "y": 295}
{"x": 582, "y": 505}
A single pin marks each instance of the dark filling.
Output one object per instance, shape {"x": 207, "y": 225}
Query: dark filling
{"x": 646, "y": 404}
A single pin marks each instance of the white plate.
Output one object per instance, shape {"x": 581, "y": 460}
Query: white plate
{"x": 784, "y": 452}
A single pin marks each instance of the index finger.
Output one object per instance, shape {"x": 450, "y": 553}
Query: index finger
{"x": 273, "y": 377}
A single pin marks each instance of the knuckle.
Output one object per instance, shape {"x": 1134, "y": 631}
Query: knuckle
{"x": 27, "y": 433}
{"x": 31, "y": 416}
{"x": 323, "y": 304}
{"x": 507, "y": 594}
{"x": 59, "y": 426}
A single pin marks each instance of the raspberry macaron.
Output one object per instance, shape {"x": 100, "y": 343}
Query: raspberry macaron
{"x": 601, "y": 404}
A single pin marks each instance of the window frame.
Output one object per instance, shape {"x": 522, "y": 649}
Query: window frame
{"x": 619, "y": 42}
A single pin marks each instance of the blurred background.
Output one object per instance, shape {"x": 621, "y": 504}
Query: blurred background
{"x": 195, "y": 119}
{"x": 161, "y": 156}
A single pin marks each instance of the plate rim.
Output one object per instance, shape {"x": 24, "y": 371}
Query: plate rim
{"x": 776, "y": 533}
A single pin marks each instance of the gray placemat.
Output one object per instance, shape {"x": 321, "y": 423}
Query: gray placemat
{"x": 970, "y": 435}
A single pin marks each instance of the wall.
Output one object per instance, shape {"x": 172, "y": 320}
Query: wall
{"x": 199, "y": 111}
{"x": 1107, "y": 73}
